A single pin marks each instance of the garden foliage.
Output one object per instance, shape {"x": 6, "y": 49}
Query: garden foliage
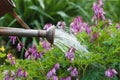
{"x": 40, "y": 61}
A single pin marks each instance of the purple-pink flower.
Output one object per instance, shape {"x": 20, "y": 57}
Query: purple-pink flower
{"x": 100, "y": 2}
{"x": 24, "y": 74}
{"x": 8, "y": 75}
{"x": 21, "y": 73}
{"x": 13, "y": 62}
{"x": 94, "y": 36}
{"x": 19, "y": 46}
{"x": 13, "y": 39}
{"x": 55, "y": 78}
{"x": 9, "y": 56}
{"x": 46, "y": 45}
{"x": 61, "y": 25}
{"x": 88, "y": 30}
{"x": 57, "y": 66}
{"x": 98, "y": 11}
{"x": 11, "y": 59}
{"x": 32, "y": 52}
{"x": 52, "y": 72}
{"x": 70, "y": 54}
{"x": 110, "y": 73}
{"x": 74, "y": 72}
{"x": 46, "y": 26}
{"x": 77, "y": 25}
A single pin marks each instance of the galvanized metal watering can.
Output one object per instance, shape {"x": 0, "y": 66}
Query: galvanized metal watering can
{"x": 6, "y": 6}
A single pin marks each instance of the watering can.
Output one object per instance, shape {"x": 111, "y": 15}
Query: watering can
{"x": 48, "y": 34}
{"x": 6, "y": 6}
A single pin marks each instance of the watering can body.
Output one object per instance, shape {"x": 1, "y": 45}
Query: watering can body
{"x": 6, "y": 6}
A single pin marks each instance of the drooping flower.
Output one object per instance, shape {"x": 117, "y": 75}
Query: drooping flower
{"x": 74, "y": 72}
{"x": 94, "y": 36}
{"x": 6, "y": 77}
{"x": 57, "y": 66}
{"x": 46, "y": 26}
{"x": 46, "y": 45}
{"x": 11, "y": 59}
{"x": 77, "y": 25}
{"x": 110, "y": 73}
{"x": 32, "y": 52}
{"x": 19, "y": 72}
{"x": 100, "y": 2}
{"x": 98, "y": 11}
{"x": 9, "y": 76}
{"x": 13, "y": 39}
{"x": 52, "y": 72}
{"x": 24, "y": 74}
{"x": 61, "y": 25}
{"x": 19, "y": 46}
{"x": 70, "y": 68}
{"x": 55, "y": 78}
{"x": 9, "y": 56}
{"x": 70, "y": 54}
{"x": 88, "y": 30}
{"x": 13, "y": 62}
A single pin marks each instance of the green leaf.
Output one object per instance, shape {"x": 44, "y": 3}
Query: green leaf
{"x": 42, "y": 4}
{"x": 41, "y": 11}
{"x": 2, "y": 55}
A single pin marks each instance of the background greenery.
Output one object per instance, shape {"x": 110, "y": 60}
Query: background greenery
{"x": 36, "y": 13}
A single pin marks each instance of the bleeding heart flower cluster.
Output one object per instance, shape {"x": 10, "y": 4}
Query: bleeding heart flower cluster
{"x": 33, "y": 53}
{"x": 52, "y": 72}
{"x": 70, "y": 54}
{"x": 73, "y": 73}
{"x": 12, "y": 75}
{"x": 98, "y": 11}
{"x": 11, "y": 59}
{"x": 13, "y": 39}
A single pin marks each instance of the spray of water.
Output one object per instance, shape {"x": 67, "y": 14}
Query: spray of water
{"x": 65, "y": 40}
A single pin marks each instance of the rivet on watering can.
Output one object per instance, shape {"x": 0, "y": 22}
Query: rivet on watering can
{"x": 6, "y": 6}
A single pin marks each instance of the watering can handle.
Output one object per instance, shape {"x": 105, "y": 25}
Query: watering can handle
{"x": 11, "y": 3}
{"x": 6, "y": 6}
{"x": 23, "y": 24}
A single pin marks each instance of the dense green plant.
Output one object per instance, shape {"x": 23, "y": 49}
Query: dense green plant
{"x": 104, "y": 50}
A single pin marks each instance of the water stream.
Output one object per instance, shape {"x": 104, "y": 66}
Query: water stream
{"x": 64, "y": 41}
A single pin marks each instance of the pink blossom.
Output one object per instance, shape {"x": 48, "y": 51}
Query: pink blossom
{"x": 46, "y": 26}
{"x": 61, "y": 25}
{"x": 13, "y": 39}
{"x": 70, "y": 54}
{"x": 98, "y": 11}
{"x": 110, "y": 73}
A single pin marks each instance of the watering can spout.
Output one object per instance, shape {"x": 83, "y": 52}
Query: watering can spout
{"x": 48, "y": 34}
